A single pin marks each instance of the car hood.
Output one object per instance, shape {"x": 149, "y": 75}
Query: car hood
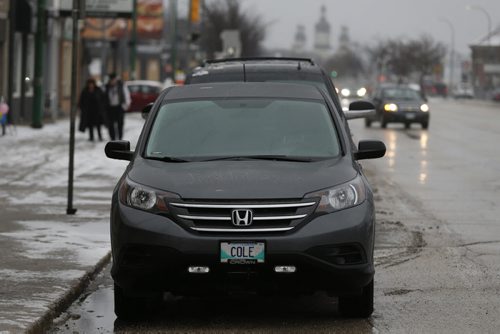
{"x": 242, "y": 179}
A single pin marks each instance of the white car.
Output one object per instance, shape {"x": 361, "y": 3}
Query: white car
{"x": 463, "y": 92}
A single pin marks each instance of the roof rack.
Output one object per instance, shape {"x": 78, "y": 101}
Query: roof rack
{"x": 216, "y": 61}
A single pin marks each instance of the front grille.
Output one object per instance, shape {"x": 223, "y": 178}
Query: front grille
{"x": 209, "y": 216}
{"x": 408, "y": 107}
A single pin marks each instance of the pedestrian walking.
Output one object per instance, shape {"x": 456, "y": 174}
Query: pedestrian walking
{"x": 91, "y": 109}
{"x": 117, "y": 102}
{"x": 4, "y": 110}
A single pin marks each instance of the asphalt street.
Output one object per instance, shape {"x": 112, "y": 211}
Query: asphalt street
{"x": 437, "y": 245}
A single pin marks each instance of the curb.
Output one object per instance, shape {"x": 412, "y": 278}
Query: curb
{"x": 60, "y": 305}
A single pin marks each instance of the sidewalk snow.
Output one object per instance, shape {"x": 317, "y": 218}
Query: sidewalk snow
{"x": 44, "y": 251}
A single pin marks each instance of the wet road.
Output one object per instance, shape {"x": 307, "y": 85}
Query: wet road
{"x": 437, "y": 245}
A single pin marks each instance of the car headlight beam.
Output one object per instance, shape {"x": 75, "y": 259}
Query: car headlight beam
{"x": 345, "y": 92}
{"x": 390, "y": 107}
{"x": 361, "y": 92}
{"x": 424, "y": 107}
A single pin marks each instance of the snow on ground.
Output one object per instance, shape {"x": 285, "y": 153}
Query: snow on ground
{"x": 40, "y": 239}
{"x": 44, "y": 251}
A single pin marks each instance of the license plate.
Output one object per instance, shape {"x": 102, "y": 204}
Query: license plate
{"x": 410, "y": 116}
{"x": 242, "y": 252}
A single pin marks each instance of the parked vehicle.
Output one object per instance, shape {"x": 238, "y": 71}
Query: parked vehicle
{"x": 143, "y": 92}
{"x": 496, "y": 95}
{"x": 463, "y": 92}
{"x": 243, "y": 187}
{"x": 399, "y": 104}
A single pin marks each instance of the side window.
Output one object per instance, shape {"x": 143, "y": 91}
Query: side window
{"x": 133, "y": 88}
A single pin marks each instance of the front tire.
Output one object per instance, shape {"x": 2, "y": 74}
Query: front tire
{"x": 425, "y": 125}
{"x": 358, "y": 306}
{"x": 383, "y": 123}
{"x": 368, "y": 123}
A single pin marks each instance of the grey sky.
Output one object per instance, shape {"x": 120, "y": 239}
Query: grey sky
{"x": 369, "y": 20}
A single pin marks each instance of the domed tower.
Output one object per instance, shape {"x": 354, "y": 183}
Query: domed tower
{"x": 322, "y": 35}
{"x": 344, "y": 40}
{"x": 299, "y": 43}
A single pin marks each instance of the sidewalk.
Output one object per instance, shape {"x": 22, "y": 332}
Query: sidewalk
{"x": 46, "y": 254}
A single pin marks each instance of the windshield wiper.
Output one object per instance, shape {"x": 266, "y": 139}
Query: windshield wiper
{"x": 264, "y": 157}
{"x": 168, "y": 159}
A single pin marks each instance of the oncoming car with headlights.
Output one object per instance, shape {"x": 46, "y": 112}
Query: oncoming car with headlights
{"x": 247, "y": 187}
{"x": 399, "y": 104}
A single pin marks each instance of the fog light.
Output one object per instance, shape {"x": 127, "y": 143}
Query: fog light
{"x": 285, "y": 269}
{"x": 198, "y": 270}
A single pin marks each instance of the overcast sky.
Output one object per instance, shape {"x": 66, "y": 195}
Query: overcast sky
{"x": 369, "y": 20}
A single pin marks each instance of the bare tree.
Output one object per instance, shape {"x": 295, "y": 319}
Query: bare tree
{"x": 346, "y": 63}
{"x": 425, "y": 54}
{"x": 223, "y": 15}
{"x": 404, "y": 58}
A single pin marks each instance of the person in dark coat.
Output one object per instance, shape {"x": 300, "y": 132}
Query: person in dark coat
{"x": 91, "y": 109}
{"x": 117, "y": 102}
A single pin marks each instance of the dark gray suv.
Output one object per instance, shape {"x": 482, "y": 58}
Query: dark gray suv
{"x": 243, "y": 187}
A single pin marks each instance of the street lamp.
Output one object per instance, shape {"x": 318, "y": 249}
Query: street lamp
{"x": 488, "y": 17}
{"x": 452, "y": 51}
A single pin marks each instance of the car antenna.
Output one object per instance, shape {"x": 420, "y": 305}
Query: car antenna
{"x": 299, "y": 67}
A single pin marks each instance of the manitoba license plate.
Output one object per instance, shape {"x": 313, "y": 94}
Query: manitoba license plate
{"x": 242, "y": 252}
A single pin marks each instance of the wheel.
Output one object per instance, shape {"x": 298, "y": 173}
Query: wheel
{"x": 425, "y": 125}
{"x": 407, "y": 125}
{"x": 358, "y": 306}
{"x": 133, "y": 307}
{"x": 368, "y": 123}
{"x": 383, "y": 123}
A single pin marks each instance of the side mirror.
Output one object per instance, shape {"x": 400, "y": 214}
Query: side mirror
{"x": 145, "y": 111}
{"x": 360, "y": 109}
{"x": 119, "y": 150}
{"x": 370, "y": 149}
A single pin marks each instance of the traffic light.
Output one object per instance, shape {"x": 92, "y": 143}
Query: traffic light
{"x": 195, "y": 11}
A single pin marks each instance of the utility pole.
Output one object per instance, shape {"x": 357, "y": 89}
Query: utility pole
{"x": 39, "y": 52}
{"x": 77, "y": 12}
{"x": 452, "y": 52}
{"x": 488, "y": 18}
{"x": 133, "y": 41}
{"x": 10, "y": 70}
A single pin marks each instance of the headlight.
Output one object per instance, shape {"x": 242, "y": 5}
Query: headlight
{"x": 144, "y": 198}
{"x": 361, "y": 92}
{"x": 345, "y": 92}
{"x": 424, "y": 107}
{"x": 390, "y": 107}
{"x": 341, "y": 197}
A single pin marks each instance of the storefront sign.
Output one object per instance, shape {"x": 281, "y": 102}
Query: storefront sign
{"x": 101, "y": 8}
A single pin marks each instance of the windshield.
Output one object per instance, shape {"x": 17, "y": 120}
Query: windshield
{"x": 204, "y": 129}
{"x": 401, "y": 94}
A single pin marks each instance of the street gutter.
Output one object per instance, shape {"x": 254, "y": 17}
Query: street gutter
{"x": 60, "y": 305}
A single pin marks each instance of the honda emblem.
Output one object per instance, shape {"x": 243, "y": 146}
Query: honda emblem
{"x": 242, "y": 217}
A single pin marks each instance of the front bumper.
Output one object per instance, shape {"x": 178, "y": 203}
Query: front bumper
{"x": 406, "y": 117}
{"x": 332, "y": 253}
